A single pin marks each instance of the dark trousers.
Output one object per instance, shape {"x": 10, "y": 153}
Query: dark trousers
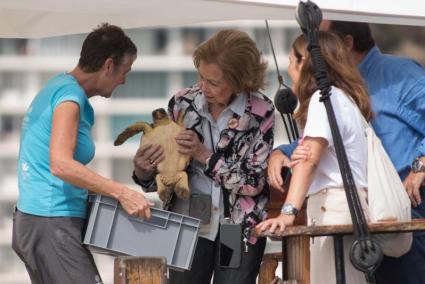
{"x": 205, "y": 265}
{"x": 409, "y": 268}
{"x": 52, "y": 251}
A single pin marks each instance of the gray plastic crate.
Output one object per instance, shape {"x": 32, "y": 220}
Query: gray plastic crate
{"x": 110, "y": 230}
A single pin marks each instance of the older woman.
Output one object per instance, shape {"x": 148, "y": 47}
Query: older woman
{"x": 229, "y": 137}
{"x": 318, "y": 176}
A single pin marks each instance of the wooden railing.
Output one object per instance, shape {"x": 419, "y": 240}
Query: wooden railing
{"x": 296, "y": 256}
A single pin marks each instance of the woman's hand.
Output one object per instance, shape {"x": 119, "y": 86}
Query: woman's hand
{"x": 190, "y": 145}
{"x": 135, "y": 203}
{"x": 146, "y": 159}
{"x": 300, "y": 153}
{"x": 276, "y": 162}
{"x": 276, "y": 225}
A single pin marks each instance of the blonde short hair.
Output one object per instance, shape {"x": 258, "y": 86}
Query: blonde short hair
{"x": 237, "y": 55}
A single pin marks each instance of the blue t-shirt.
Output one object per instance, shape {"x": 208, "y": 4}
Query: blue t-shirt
{"x": 41, "y": 193}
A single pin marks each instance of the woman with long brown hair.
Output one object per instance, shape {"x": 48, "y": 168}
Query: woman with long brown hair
{"x": 319, "y": 176}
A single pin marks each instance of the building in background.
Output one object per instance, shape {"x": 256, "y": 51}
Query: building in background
{"x": 163, "y": 66}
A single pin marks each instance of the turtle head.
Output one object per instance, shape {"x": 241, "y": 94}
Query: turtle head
{"x": 160, "y": 116}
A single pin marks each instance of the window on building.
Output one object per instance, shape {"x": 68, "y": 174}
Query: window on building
{"x": 290, "y": 34}
{"x": 149, "y": 41}
{"x": 189, "y": 79}
{"x": 143, "y": 85}
{"x": 8, "y": 168}
{"x": 10, "y": 127}
{"x": 13, "y": 46}
{"x": 192, "y": 37}
{"x": 69, "y": 45}
{"x": 11, "y": 81}
{"x": 262, "y": 40}
{"x": 122, "y": 169}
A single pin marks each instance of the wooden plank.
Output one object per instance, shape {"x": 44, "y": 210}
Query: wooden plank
{"x": 381, "y": 228}
{"x": 140, "y": 270}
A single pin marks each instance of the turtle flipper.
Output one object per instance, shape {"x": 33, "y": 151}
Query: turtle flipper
{"x": 164, "y": 190}
{"x": 131, "y": 131}
{"x": 181, "y": 188}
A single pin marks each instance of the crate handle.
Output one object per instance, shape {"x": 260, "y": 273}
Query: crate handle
{"x": 154, "y": 221}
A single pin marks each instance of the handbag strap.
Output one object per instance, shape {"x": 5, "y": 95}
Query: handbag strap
{"x": 226, "y": 202}
{"x": 366, "y": 124}
{"x": 364, "y": 121}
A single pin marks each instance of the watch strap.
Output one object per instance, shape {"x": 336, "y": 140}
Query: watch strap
{"x": 289, "y": 209}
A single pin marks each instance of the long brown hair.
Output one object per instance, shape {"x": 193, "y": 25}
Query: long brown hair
{"x": 342, "y": 73}
{"x": 237, "y": 56}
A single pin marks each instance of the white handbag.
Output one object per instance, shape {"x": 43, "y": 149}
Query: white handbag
{"x": 387, "y": 197}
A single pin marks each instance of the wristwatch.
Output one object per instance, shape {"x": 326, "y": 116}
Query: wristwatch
{"x": 289, "y": 209}
{"x": 418, "y": 166}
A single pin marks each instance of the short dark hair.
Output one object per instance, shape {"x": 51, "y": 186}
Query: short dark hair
{"x": 362, "y": 36}
{"x": 106, "y": 41}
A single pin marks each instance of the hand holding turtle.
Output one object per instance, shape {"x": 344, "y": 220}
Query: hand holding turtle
{"x": 147, "y": 157}
{"x": 190, "y": 145}
{"x": 157, "y": 155}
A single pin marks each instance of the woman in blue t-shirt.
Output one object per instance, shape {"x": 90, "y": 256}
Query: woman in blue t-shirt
{"x": 56, "y": 144}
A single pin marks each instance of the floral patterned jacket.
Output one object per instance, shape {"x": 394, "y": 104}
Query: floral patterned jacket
{"x": 241, "y": 154}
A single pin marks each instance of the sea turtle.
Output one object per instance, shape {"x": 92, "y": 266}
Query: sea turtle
{"x": 171, "y": 171}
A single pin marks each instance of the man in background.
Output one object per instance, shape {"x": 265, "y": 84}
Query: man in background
{"x": 396, "y": 88}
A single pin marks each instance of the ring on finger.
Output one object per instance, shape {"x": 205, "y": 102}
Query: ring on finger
{"x": 152, "y": 162}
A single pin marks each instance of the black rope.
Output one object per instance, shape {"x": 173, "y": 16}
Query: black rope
{"x": 292, "y": 130}
{"x": 288, "y": 133}
{"x": 279, "y": 77}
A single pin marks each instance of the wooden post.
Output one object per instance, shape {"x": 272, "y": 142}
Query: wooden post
{"x": 140, "y": 270}
{"x": 297, "y": 260}
{"x": 268, "y": 267}
{"x": 295, "y": 256}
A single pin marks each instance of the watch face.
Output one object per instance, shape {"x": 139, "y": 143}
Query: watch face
{"x": 415, "y": 165}
{"x": 289, "y": 209}
{"x": 418, "y": 166}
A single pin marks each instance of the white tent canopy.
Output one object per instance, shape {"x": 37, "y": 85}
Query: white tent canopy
{"x": 43, "y": 18}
